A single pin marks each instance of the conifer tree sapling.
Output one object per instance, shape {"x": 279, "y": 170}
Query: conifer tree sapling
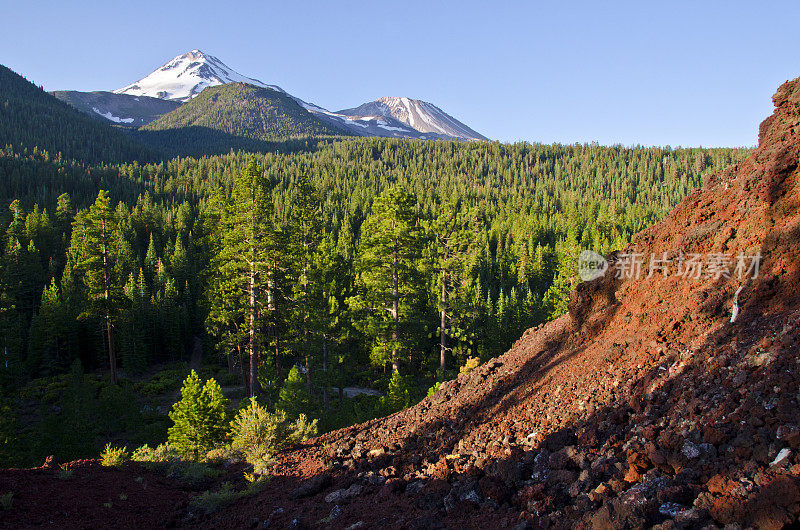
{"x": 199, "y": 417}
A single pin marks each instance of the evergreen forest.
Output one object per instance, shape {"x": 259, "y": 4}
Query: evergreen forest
{"x": 335, "y": 278}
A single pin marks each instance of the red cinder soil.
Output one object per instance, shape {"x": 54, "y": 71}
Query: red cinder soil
{"x": 643, "y": 407}
{"x": 93, "y": 497}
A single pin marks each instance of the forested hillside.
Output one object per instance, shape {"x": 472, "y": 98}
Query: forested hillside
{"x": 485, "y": 234}
{"x": 30, "y": 118}
{"x": 235, "y": 116}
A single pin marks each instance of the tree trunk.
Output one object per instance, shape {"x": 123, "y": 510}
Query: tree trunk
{"x": 231, "y": 362}
{"x": 443, "y": 326}
{"x": 252, "y": 332}
{"x": 277, "y": 358}
{"x": 395, "y": 310}
{"x": 242, "y": 365}
{"x": 324, "y": 353}
{"x": 325, "y": 369}
{"x": 111, "y": 357}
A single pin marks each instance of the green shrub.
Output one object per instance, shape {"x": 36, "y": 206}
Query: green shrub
{"x": 199, "y": 417}
{"x": 114, "y": 456}
{"x": 255, "y": 481}
{"x": 117, "y": 409}
{"x": 257, "y": 433}
{"x": 470, "y": 365}
{"x": 219, "y": 455}
{"x": 211, "y": 501}
{"x": 146, "y": 454}
{"x": 435, "y": 388}
{"x": 164, "y": 381}
{"x": 302, "y": 429}
{"x": 165, "y": 461}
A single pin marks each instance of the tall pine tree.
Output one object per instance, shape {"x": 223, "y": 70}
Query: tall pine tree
{"x": 387, "y": 267}
{"x": 453, "y": 235}
{"x": 242, "y": 270}
{"x": 101, "y": 273}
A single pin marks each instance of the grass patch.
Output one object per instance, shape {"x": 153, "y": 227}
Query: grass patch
{"x": 211, "y": 501}
{"x": 167, "y": 380}
{"x": 65, "y": 472}
{"x": 164, "y": 461}
{"x": 7, "y": 500}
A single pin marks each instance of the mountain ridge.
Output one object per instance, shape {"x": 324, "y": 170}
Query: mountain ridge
{"x": 121, "y": 109}
{"x": 185, "y": 76}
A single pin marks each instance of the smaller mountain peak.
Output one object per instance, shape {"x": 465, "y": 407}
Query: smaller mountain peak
{"x": 421, "y": 116}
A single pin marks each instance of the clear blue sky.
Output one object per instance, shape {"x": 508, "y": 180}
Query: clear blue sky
{"x": 653, "y": 73}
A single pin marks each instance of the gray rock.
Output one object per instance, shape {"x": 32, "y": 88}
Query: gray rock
{"x": 311, "y": 487}
{"x": 690, "y": 450}
{"x": 415, "y": 487}
{"x": 671, "y": 509}
{"x": 708, "y": 451}
{"x": 782, "y": 457}
{"x": 471, "y": 496}
{"x": 343, "y": 494}
{"x": 336, "y": 511}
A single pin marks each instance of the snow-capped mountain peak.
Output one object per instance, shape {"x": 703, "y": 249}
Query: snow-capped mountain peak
{"x": 420, "y": 115}
{"x": 187, "y": 75}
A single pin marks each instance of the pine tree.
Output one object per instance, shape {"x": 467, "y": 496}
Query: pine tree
{"x": 199, "y": 417}
{"x": 9, "y": 452}
{"x": 556, "y": 299}
{"x": 48, "y": 334}
{"x": 453, "y": 235}
{"x": 10, "y": 335}
{"x": 387, "y": 269}
{"x": 305, "y": 234}
{"x": 134, "y": 325}
{"x": 294, "y": 398}
{"x": 398, "y": 395}
{"x": 329, "y": 275}
{"x": 99, "y": 260}
{"x": 243, "y": 269}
